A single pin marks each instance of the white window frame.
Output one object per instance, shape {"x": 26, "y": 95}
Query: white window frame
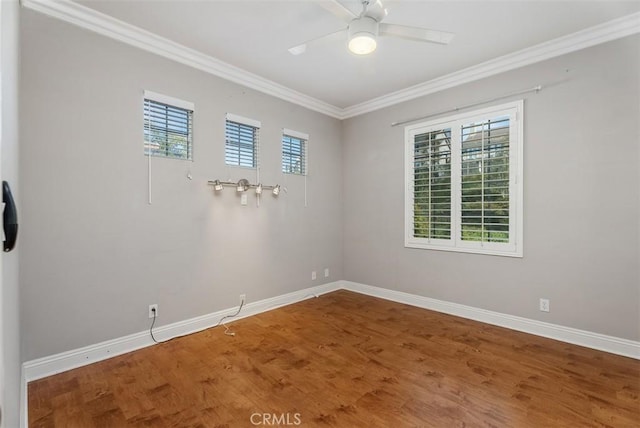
{"x": 514, "y": 248}
{"x": 304, "y": 139}
{"x": 175, "y": 103}
{"x": 230, "y": 117}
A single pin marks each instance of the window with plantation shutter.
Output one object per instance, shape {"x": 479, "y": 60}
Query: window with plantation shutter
{"x": 168, "y": 126}
{"x": 485, "y": 181}
{"x": 294, "y": 152}
{"x": 464, "y": 182}
{"x": 432, "y": 184}
{"x": 241, "y": 147}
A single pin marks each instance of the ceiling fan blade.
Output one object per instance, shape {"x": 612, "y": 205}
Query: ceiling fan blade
{"x": 338, "y": 10}
{"x": 416, "y": 33}
{"x": 302, "y": 48}
{"x": 298, "y": 50}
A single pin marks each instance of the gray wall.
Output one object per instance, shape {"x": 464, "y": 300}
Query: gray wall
{"x": 95, "y": 254}
{"x": 581, "y": 236}
{"x": 10, "y": 357}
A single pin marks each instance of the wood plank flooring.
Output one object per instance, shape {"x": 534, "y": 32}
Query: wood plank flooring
{"x": 347, "y": 360}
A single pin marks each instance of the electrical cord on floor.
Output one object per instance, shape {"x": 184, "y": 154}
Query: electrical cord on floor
{"x": 153, "y": 322}
{"x": 226, "y": 328}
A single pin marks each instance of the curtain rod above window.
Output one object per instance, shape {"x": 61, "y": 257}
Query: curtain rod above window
{"x": 535, "y": 89}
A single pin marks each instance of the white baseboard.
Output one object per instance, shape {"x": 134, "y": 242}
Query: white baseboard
{"x": 46, "y": 366}
{"x": 43, "y": 367}
{"x": 50, "y": 365}
{"x": 601, "y": 342}
{"x": 24, "y": 414}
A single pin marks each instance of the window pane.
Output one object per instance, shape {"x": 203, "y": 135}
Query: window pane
{"x": 432, "y": 184}
{"x": 485, "y": 181}
{"x": 293, "y": 155}
{"x": 167, "y": 130}
{"x": 241, "y": 145}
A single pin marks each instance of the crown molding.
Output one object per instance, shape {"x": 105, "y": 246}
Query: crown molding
{"x": 605, "y": 32}
{"x": 87, "y": 18}
{"x": 106, "y": 25}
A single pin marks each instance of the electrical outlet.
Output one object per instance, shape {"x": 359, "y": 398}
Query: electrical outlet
{"x": 243, "y": 298}
{"x": 544, "y": 305}
{"x": 243, "y": 199}
{"x": 313, "y": 275}
{"x": 326, "y": 272}
{"x": 151, "y": 310}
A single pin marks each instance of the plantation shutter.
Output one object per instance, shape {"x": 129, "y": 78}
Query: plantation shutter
{"x": 432, "y": 184}
{"x": 241, "y": 147}
{"x": 463, "y": 182}
{"x": 485, "y": 198}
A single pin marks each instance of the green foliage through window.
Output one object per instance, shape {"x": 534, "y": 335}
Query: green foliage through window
{"x": 432, "y": 184}
{"x": 485, "y": 181}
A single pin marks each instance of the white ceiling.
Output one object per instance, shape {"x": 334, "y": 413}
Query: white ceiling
{"x": 255, "y": 36}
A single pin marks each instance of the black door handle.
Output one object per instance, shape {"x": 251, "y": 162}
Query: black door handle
{"x": 9, "y": 217}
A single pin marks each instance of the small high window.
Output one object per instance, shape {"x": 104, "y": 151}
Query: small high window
{"x": 168, "y": 126}
{"x": 241, "y": 147}
{"x": 294, "y": 152}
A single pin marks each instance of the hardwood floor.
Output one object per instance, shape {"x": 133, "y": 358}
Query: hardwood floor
{"x": 347, "y": 360}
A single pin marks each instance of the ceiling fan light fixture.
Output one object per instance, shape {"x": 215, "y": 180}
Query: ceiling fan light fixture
{"x": 362, "y": 44}
{"x": 363, "y": 33}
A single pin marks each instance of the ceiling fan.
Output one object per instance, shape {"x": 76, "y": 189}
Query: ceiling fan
{"x": 364, "y": 29}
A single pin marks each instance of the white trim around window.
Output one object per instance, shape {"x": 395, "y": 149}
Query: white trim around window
{"x": 166, "y": 99}
{"x": 463, "y": 182}
{"x": 296, "y": 134}
{"x": 243, "y": 120}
